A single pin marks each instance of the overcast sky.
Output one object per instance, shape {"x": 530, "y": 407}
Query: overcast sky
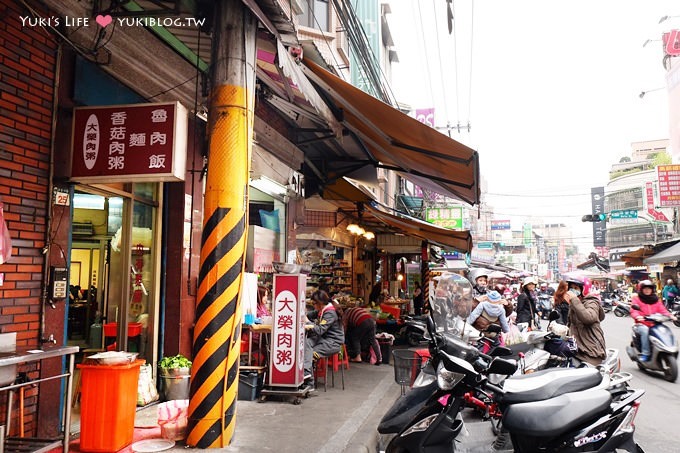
{"x": 550, "y": 88}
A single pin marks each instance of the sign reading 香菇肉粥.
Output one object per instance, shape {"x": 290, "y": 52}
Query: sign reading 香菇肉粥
{"x": 129, "y": 143}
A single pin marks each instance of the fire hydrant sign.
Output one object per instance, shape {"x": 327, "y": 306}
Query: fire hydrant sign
{"x": 286, "y": 362}
{"x": 129, "y": 143}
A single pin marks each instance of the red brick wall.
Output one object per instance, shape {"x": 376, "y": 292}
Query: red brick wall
{"x": 27, "y": 65}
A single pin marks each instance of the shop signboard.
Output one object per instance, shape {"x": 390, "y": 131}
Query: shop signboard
{"x": 597, "y": 206}
{"x": 286, "y": 361}
{"x": 500, "y": 224}
{"x": 450, "y": 217}
{"x": 669, "y": 185}
{"x": 129, "y": 143}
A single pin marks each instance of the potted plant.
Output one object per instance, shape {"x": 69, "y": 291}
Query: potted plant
{"x": 175, "y": 372}
{"x": 177, "y": 365}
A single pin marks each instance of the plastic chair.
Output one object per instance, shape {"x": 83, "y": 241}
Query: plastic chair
{"x": 341, "y": 359}
{"x": 332, "y": 363}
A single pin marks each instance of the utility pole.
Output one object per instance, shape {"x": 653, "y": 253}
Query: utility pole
{"x": 217, "y": 332}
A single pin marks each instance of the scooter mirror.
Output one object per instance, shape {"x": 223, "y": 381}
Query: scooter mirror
{"x": 554, "y": 315}
{"x": 500, "y": 351}
{"x": 502, "y": 366}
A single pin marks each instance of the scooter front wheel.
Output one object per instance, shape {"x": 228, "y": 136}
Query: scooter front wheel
{"x": 677, "y": 321}
{"x": 670, "y": 368}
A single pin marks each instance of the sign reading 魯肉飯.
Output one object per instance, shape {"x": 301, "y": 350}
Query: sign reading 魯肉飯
{"x": 129, "y": 143}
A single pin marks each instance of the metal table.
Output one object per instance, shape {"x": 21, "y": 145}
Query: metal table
{"x": 25, "y": 444}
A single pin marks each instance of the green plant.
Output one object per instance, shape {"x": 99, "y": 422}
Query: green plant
{"x": 178, "y": 361}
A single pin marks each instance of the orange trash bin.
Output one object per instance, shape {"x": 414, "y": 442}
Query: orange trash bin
{"x": 108, "y": 402}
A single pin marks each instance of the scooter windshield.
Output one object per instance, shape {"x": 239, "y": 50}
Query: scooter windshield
{"x": 451, "y": 303}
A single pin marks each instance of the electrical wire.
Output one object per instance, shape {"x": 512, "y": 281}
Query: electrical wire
{"x": 427, "y": 60}
{"x": 441, "y": 69}
{"x": 472, "y": 35}
{"x": 455, "y": 61}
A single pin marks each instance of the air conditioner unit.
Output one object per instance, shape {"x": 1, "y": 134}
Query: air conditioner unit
{"x": 82, "y": 229}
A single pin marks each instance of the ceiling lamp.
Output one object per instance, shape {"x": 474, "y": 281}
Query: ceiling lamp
{"x": 369, "y": 235}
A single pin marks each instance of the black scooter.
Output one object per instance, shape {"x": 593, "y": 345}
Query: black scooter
{"x": 580, "y": 410}
{"x": 622, "y": 309}
{"x": 415, "y": 330}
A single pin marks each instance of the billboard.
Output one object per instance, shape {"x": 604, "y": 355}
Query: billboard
{"x": 450, "y": 217}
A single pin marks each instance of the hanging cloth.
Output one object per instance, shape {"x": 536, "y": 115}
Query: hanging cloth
{"x": 5, "y": 239}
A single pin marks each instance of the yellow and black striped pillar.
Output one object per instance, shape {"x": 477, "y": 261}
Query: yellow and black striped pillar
{"x": 217, "y": 331}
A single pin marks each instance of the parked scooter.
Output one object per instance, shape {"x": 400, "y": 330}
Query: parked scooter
{"x": 415, "y": 330}
{"x": 622, "y": 309}
{"x": 674, "y": 308}
{"x": 554, "y": 410}
{"x": 662, "y": 346}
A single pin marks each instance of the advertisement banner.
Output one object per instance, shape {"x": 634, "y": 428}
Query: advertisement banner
{"x": 129, "y": 143}
{"x": 599, "y": 228}
{"x": 669, "y": 184}
{"x": 425, "y": 116}
{"x": 286, "y": 361}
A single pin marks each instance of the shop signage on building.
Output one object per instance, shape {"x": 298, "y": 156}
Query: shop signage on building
{"x": 450, "y": 217}
{"x": 669, "y": 185}
{"x": 500, "y": 224}
{"x": 129, "y": 143}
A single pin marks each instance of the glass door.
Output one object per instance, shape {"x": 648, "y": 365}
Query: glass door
{"x": 123, "y": 255}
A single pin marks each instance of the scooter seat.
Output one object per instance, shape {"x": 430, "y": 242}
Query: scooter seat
{"x": 548, "y": 383}
{"x": 556, "y": 416}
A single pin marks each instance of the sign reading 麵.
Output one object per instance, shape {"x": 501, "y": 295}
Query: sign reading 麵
{"x": 129, "y": 143}
{"x": 286, "y": 362}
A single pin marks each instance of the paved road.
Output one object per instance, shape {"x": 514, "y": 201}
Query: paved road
{"x": 657, "y": 420}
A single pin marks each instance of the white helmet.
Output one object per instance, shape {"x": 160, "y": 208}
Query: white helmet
{"x": 474, "y": 274}
{"x": 529, "y": 280}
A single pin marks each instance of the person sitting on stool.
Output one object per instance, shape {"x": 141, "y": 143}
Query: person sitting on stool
{"x": 325, "y": 335}
{"x": 360, "y": 333}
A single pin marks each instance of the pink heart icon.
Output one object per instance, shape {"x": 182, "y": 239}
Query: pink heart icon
{"x": 104, "y": 20}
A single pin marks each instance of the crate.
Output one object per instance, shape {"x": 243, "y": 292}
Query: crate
{"x": 249, "y": 385}
{"x": 394, "y": 311}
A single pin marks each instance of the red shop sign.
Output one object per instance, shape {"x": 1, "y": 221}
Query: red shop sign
{"x": 129, "y": 143}
{"x": 286, "y": 361}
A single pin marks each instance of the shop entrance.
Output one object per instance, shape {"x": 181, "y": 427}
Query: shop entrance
{"x": 114, "y": 268}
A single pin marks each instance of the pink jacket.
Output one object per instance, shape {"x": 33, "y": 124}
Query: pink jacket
{"x": 647, "y": 309}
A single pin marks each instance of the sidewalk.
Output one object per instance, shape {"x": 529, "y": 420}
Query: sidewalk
{"x": 332, "y": 422}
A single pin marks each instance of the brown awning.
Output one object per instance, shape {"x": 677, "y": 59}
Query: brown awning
{"x": 396, "y": 141}
{"x": 458, "y": 240}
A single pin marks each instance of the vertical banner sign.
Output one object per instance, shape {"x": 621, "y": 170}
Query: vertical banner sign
{"x": 669, "y": 183}
{"x": 286, "y": 362}
{"x": 599, "y": 228}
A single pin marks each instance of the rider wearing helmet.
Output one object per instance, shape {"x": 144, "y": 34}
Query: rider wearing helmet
{"x": 648, "y": 303}
{"x": 585, "y": 314}
{"x": 526, "y": 302}
{"x": 479, "y": 278}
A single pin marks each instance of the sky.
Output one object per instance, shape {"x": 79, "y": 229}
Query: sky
{"x": 551, "y": 90}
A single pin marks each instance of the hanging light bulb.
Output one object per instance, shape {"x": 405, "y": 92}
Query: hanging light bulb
{"x": 353, "y": 228}
{"x": 369, "y": 235}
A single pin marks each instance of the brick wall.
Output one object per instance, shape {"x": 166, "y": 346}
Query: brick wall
{"x": 27, "y": 59}
{"x": 27, "y": 64}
